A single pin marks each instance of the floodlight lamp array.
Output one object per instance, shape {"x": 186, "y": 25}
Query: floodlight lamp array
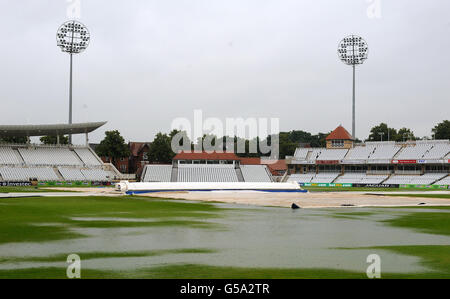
{"x": 353, "y": 50}
{"x": 73, "y": 37}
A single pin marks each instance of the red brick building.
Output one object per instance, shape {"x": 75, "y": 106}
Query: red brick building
{"x": 135, "y": 162}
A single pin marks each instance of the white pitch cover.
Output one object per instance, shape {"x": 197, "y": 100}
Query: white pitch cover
{"x": 136, "y": 188}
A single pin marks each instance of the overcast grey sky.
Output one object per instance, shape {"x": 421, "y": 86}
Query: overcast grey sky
{"x": 152, "y": 61}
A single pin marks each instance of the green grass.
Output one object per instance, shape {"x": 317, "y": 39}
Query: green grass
{"x": 427, "y": 222}
{"x": 436, "y": 257}
{"x": 445, "y": 196}
{"x": 364, "y": 189}
{"x": 50, "y": 218}
{"x": 96, "y": 255}
{"x": 26, "y": 189}
{"x": 196, "y": 271}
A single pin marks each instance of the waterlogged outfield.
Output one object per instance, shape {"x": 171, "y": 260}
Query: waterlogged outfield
{"x": 367, "y": 189}
{"x": 66, "y": 219}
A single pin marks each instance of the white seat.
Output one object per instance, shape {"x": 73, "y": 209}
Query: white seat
{"x": 157, "y": 173}
{"x": 255, "y": 173}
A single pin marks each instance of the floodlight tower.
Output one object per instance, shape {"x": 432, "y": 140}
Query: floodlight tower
{"x": 353, "y": 50}
{"x": 73, "y": 38}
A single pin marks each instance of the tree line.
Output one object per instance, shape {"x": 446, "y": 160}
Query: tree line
{"x": 114, "y": 146}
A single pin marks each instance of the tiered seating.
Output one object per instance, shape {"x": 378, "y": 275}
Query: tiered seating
{"x": 444, "y": 181}
{"x": 360, "y": 152}
{"x": 49, "y": 156}
{"x": 301, "y": 178}
{"x": 438, "y": 151}
{"x": 399, "y": 179}
{"x": 332, "y": 154}
{"x": 71, "y": 174}
{"x": 325, "y": 177}
{"x": 425, "y": 179}
{"x": 207, "y": 173}
{"x": 157, "y": 173}
{"x": 22, "y": 163}
{"x": 413, "y": 152}
{"x": 373, "y": 179}
{"x": 301, "y": 153}
{"x": 255, "y": 173}
{"x": 352, "y": 178}
{"x": 9, "y": 156}
{"x": 98, "y": 175}
{"x": 87, "y": 157}
{"x": 315, "y": 152}
{"x": 428, "y": 178}
{"x": 385, "y": 151}
{"x": 18, "y": 174}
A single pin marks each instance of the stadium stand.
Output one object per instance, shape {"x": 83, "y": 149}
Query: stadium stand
{"x": 98, "y": 175}
{"x": 21, "y": 163}
{"x": 324, "y": 177}
{"x": 384, "y": 151}
{"x": 438, "y": 151}
{"x": 207, "y": 173}
{"x": 444, "y": 181}
{"x": 313, "y": 154}
{"x": 360, "y": 152}
{"x": 373, "y": 179}
{"x": 49, "y": 156}
{"x": 8, "y": 156}
{"x": 157, "y": 173}
{"x": 350, "y": 178}
{"x": 301, "y": 178}
{"x": 415, "y": 151}
{"x": 332, "y": 154}
{"x": 301, "y": 153}
{"x": 426, "y": 179}
{"x": 415, "y": 162}
{"x": 255, "y": 173}
{"x": 71, "y": 174}
{"x": 88, "y": 158}
{"x": 18, "y": 174}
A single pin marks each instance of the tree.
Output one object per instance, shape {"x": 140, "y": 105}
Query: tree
{"x": 405, "y": 134}
{"x": 14, "y": 139}
{"x": 160, "y": 150}
{"x": 54, "y": 139}
{"x": 382, "y": 132}
{"x": 113, "y": 146}
{"x": 442, "y": 130}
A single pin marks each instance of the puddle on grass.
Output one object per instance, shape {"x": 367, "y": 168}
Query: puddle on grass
{"x": 253, "y": 237}
{"x": 115, "y": 219}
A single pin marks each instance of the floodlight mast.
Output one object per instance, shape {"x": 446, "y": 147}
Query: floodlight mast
{"x": 353, "y": 50}
{"x": 73, "y": 38}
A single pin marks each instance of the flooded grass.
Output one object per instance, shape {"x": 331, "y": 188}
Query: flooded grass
{"x": 19, "y": 218}
{"x": 134, "y": 237}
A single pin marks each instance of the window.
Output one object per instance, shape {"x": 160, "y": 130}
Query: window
{"x": 337, "y": 143}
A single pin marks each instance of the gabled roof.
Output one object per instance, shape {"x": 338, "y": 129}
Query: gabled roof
{"x": 339, "y": 133}
{"x": 136, "y": 147}
{"x": 205, "y": 156}
{"x": 250, "y": 161}
{"x": 275, "y": 165}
